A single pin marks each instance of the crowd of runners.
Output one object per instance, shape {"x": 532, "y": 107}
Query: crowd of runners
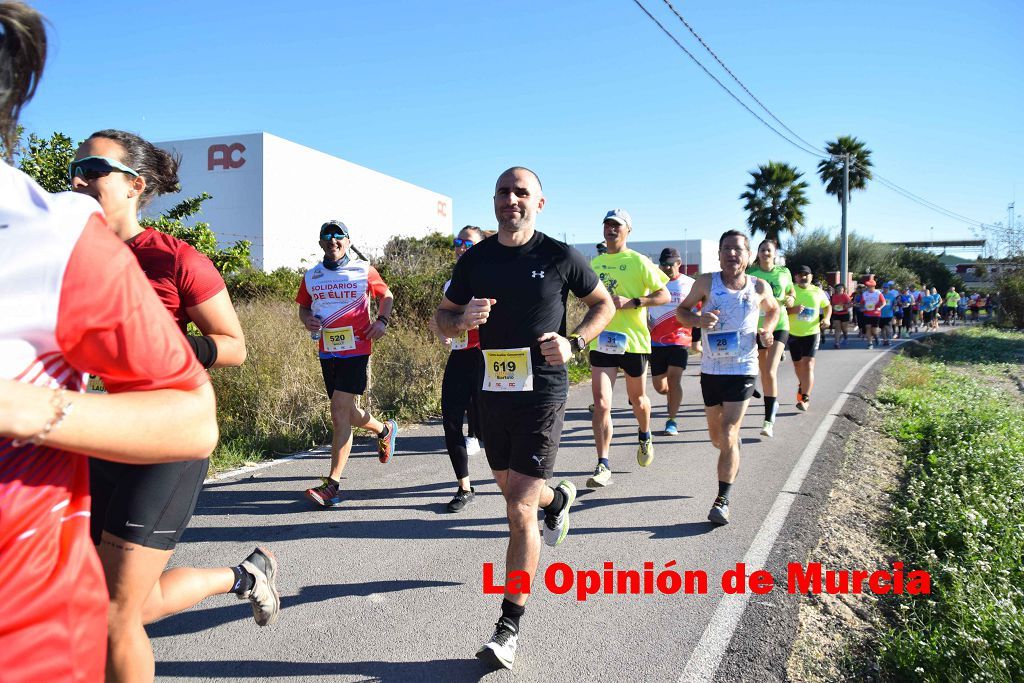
{"x": 128, "y": 465}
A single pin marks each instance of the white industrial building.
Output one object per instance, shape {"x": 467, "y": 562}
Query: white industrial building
{"x": 276, "y": 194}
{"x": 699, "y": 256}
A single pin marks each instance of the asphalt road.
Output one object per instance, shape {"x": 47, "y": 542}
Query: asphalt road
{"x": 390, "y": 587}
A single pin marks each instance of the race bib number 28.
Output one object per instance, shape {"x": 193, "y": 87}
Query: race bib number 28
{"x": 508, "y": 370}
{"x": 722, "y": 345}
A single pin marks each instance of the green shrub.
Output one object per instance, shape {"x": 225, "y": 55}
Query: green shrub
{"x": 251, "y": 284}
{"x": 1011, "y": 300}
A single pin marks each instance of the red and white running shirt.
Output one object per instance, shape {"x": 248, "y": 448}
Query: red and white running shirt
{"x": 341, "y": 299}
{"x": 665, "y": 329}
{"x": 72, "y": 301}
{"x": 469, "y": 339}
{"x": 872, "y": 303}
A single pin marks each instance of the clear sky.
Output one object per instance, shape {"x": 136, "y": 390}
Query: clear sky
{"x": 589, "y": 93}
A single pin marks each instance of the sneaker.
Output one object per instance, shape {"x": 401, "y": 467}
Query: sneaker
{"x": 328, "y": 494}
{"x": 719, "y": 513}
{"x": 602, "y": 477}
{"x": 766, "y": 429}
{"x": 472, "y": 445}
{"x": 804, "y": 403}
{"x": 557, "y": 526}
{"x": 870, "y": 346}
{"x": 591, "y": 407}
{"x": 500, "y": 650}
{"x": 671, "y": 428}
{"x": 386, "y": 445}
{"x": 266, "y": 602}
{"x": 783, "y": 356}
{"x": 462, "y": 499}
{"x": 836, "y": 346}
{"x": 645, "y": 453}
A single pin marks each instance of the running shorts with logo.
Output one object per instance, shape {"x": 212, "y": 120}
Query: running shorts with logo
{"x": 781, "y": 281}
{"x": 631, "y": 275}
{"x": 522, "y": 396}
{"x": 151, "y": 505}
{"x": 670, "y": 341}
{"x": 719, "y": 389}
{"x": 729, "y": 362}
{"x": 801, "y": 347}
{"x": 103, "y": 320}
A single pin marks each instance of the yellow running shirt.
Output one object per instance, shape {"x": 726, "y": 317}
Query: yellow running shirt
{"x": 629, "y": 274}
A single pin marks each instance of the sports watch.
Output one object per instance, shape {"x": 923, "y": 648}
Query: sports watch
{"x": 577, "y": 343}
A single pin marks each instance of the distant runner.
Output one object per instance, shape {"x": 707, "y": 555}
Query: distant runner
{"x": 813, "y": 313}
{"x": 670, "y": 341}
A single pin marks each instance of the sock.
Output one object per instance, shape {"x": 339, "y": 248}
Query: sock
{"x": 244, "y": 581}
{"x": 511, "y": 612}
{"x": 336, "y": 482}
{"x": 384, "y": 432}
{"x": 604, "y": 461}
{"x": 644, "y": 436}
{"x": 770, "y": 406}
{"x": 723, "y": 489}
{"x": 557, "y": 503}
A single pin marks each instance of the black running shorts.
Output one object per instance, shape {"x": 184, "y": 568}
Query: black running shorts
{"x": 345, "y": 374}
{"x": 633, "y": 364}
{"x": 804, "y": 347}
{"x": 521, "y": 436}
{"x": 145, "y": 504}
{"x": 780, "y": 336}
{"x": 719, "y": 389}
{"x": 841, "y": 317}
{"x": 664, "y": 356}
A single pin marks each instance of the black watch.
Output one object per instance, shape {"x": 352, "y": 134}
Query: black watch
{"x": 636, "y": 302}
{"x": 577, "y": 343}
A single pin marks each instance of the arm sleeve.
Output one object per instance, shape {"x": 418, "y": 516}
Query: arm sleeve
{"x": 458, "y": 291}
{"x": 198, "y": 279}
{"x": 375, "y": 283}
{"x": 303, "y": 297}
{"x": 110, "y": 322}
{"x": 579, "y": 275}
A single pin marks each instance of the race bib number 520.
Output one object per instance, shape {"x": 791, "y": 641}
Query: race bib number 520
{"x": 508, "y": 370}
{"x": 339, "y": 339}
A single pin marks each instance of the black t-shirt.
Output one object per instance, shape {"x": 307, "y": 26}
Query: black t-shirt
{"x": 530, "y": 285}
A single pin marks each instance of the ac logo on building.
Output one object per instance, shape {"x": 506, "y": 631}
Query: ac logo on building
{"x": 225, "y": 156}
{"x": 442, "y": 208}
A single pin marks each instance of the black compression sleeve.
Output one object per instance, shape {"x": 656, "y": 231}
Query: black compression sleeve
{"x": 205, "y": 350}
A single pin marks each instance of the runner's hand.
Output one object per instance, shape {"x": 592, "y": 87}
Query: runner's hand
{"x": 707, "y": 319}
{"x": 556, "y": 349}
{"x": 476, "y": 313}
{"x": 621, "y": 302}
{"x": 313, "y": 324}
{"x": 767, "y": 337}
{"x": 375, "y": 331}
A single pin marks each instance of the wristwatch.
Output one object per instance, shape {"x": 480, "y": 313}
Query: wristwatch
{"x": 636, "y": 302}
{"x": 577, "y": 343}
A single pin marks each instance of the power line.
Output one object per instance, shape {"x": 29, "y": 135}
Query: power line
{"x": 738, "y": 81}
{"x": 723, "y": 86}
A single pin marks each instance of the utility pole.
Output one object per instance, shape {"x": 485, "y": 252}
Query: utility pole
{"x": 844, "y": 255}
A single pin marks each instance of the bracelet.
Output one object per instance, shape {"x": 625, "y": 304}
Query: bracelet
{"x": 61, "y": 407}
{"x": 383, "y": 319}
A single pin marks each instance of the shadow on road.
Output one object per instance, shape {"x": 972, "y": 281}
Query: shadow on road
{"x": 436, "y": 670}
{"x": 200, "y": 620}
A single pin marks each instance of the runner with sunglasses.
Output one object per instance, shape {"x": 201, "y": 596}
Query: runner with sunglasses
{"x": 139, "y": 512}
{"x": 460, "y": 389}
{"x": 781, "y": 281}
{"x": 334, "y": 302}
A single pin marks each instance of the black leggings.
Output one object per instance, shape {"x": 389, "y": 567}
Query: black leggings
{"x": 460, "y": 389}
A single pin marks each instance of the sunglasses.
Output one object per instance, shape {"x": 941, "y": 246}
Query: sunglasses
{"x": 91, "y": 168}
{"x": 333, "y": 235}
{"x": 462, "y": 243}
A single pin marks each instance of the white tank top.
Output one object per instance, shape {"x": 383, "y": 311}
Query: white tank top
{"x": 730, "y": 348}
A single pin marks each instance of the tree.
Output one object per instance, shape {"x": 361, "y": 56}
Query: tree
{"x": 775, "y": 200}
{"x": 46, "y": 160}
{"x": 831, "y": 170}
{"x": 819, "y": 249}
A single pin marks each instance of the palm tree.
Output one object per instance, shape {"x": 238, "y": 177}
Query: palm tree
{"x": 775, "y": 200}
{"x": 831, "y": 170}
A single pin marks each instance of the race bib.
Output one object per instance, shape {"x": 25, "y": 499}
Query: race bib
{"x": 508, "y": 370}
{"x": 807, "y": 314}
{"x": 339, "y": 339}
{"x": 722, "y": 344}
{"x": 613, "y": 343}
{"x": 868, "y": 307}
{"x": 461, "y": 342}
{"x": 839, "y": 308}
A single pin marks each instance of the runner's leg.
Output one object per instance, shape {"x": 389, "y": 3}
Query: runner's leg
{"x": 602, "y": 385}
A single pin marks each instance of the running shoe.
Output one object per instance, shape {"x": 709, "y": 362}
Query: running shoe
{"x": 472, "y": 445}
{"x": 719, "y": 513}
{"x": 645, "y": 453}
{"x": 870, "y": 346}
{"x": 591, "y": 407}
{"x": 557, "y": 526}
{"x": 266, "y": 601}
{"x": 500, "y": 650}
{"x": 836, "y": 346}
{"x": 766, "y": 429}
{"x": 783, "y": 356}
{"x": 671, "y": 428}
{"x": 386, "y": 445}
{"x": 804, "y": 403}
{"x": 602, "y": 477}
{"x": 328, "y": 494}
{"x": 462, "y": 499}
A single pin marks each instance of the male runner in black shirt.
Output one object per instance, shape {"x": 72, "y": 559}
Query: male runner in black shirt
{"x": 514, "y": 286}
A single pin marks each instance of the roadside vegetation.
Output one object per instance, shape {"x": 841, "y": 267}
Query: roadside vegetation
{"x": 955, "y": 408}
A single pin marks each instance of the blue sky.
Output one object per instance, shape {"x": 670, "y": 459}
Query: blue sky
{"x": 589, "y": 93}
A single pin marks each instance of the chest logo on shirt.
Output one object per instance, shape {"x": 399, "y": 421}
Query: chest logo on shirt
{"x": 610, "y": 283}
{"x": 537, "y": 273}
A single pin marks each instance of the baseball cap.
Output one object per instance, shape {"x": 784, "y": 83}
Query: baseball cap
{"x": 333, "y": 227}
{"x": 890, "y": 283}
{"x": 669, "y": 255}
{"x": 870, "y": 282}
{"x": 620, "y": 216}
{"x": 805, "y": 270}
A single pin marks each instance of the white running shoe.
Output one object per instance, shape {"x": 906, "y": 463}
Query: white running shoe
{"x": 500, "y": 650}
{"x": 472, "y": 445}
{"x": 557, "y": 526}
{"x": 766, "y": 429}
{"x": 602, "y": 477}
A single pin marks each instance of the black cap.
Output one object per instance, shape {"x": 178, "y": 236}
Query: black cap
{"x": 805, "y": 270}
{"x": 669, "y": 255}
{"x": 333, "y": 226}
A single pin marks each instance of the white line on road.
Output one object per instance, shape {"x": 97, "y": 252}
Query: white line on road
{"x": 706, "y": 657}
